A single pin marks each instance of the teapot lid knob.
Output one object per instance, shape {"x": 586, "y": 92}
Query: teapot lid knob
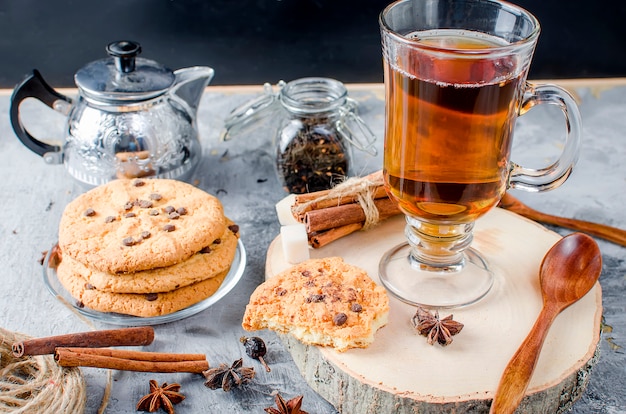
{"x": 124, "y": 53}
{"x": 123, "y": 75}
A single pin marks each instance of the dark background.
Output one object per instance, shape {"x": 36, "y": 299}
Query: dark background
{"x": 252, "y": 42}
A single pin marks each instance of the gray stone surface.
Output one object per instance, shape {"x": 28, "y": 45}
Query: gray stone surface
{"x": 241, "y": 173}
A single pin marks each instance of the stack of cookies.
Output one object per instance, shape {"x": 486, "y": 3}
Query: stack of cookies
{"x": 144, "y": 247}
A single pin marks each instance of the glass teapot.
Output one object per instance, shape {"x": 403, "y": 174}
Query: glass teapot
{"x": 133, "y": 118}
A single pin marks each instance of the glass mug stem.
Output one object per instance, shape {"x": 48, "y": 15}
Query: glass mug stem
{"x": 436, "y": 247}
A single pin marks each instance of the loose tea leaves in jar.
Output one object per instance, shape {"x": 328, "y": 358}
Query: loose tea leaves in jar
{"x": 311, "y": 156}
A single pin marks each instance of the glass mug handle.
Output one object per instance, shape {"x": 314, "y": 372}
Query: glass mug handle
{"x": 548, "y": 178}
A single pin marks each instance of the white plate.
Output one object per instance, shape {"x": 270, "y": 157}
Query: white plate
{"x": 232, "y": 278}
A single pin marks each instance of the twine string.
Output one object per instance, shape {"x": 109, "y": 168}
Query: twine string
{"x": 37, "y": 384}
{"x": 362, "y": 188}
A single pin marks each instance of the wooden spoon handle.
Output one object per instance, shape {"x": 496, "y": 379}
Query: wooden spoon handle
{"x": 517, "y": 374}
{"x": 609, "y": 233}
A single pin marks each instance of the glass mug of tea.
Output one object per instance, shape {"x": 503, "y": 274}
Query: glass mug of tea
{"x": 455, "y": 82}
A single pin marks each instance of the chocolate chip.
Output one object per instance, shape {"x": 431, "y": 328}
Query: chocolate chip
{"x": 128, "y": 241}
{"x": 89, "y": 212}
{"x": 130, "y": 215}
{"x": 181, "y": 210}
{"x": 234, "y": 228}
{"x": 128, "y": 205}
{"x": 145, "y": 203}
{"x": 155, "y": 196}
{"x": 356, "y": 307}
{"x": 89, "y": 286}
{"x": 169, "y": 209}
{"x": 280, "y": 291}
{"x": 315, "y": 298}
{"x": 80, "y": 304}
{"x": 205, "y": 250}
{"x": 217, "y": 241}
{"x": 151, "y": 297}
{"x": 174, "y": 216}
{"x": 306, "y": 273}
{"x": 154, "y": 212}
{"x": 109, "y": 219}
{"x": 145, "y": 234}
{"x": 169, "y": 227}
{"x": 138, "y": 183}
{"x": 340, "y": 318}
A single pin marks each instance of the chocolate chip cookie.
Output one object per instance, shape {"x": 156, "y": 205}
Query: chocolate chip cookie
{"x": 130, "y": 225}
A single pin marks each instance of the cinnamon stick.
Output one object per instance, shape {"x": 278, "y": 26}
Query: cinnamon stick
{"x": 318, "y": 240}
{"x": 139, "y": 355}
{"x": 332, "y": 217}
{"x": 299, "y": 210}
{"x": 143, "y": 335}
{"x": 332, "y": 198}
{"x": 130, "y": 360}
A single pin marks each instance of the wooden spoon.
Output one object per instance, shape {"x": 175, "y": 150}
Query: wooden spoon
{"x": 568, "y": 271}
{"x": 609, "y": 233}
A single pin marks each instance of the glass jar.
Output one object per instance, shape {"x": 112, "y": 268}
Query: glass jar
{"x": 317, "y": 127}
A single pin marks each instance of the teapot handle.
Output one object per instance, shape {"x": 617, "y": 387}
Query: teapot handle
{"x": 33, "y": 86}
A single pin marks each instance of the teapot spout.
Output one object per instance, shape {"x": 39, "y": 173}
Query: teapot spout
{"x": 190, "y": 83}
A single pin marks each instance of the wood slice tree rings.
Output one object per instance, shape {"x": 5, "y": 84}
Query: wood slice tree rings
{"x": 401, "y": 373}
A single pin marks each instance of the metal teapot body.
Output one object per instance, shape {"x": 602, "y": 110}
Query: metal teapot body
{"x": 132, "y": 118}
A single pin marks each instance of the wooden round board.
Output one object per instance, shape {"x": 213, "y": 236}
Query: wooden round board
{"x": 401, "y": 373}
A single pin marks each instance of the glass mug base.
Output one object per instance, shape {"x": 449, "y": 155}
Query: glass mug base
{"x": 441, "y": 288}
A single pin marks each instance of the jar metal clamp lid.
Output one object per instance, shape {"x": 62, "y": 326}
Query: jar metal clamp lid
{"x": 305, "y": 97}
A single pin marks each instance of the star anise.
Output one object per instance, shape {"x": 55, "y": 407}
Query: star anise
{"x": 286, "y": 407}
{"x": 164, "y": 396}
{"x": 434, "y": 328}
{"x": 226, "y": 377}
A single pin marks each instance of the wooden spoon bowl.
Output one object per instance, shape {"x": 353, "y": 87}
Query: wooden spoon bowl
{"x": 568, "y": 271}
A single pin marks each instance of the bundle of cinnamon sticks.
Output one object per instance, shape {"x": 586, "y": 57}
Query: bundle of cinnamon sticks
{"x": 91, "y": 349}
{"x": 354, "y": 205}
